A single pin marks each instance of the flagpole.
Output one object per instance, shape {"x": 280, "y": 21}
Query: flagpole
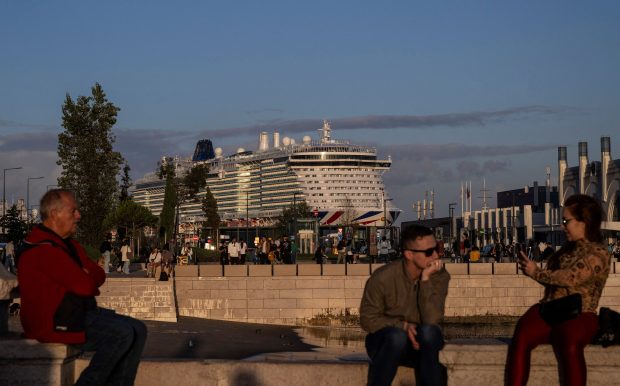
{"x": 462, "y": 199}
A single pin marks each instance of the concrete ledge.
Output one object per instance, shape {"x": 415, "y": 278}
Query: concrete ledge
{"x": 456, "y": 268}
{"x": 211, "y": 270}
{"x": 505, "y": 268}
{"x": 260, "y": 270}
{"x": 484, "y": 364}
{"x": 309, "y": 270}
{"x": 285, "y": 270}
{"x": 270, "y": 372}
{"x": 333, "y": 270}
{"x": 480, "y": 269}
{"x": 358, "y": 269}
{"x": 186, "y": 271}
{"x": 28, "y": 362}
{"x": 235, "y": 270}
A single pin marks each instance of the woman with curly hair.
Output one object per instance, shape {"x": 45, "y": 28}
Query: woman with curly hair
{"x": 580, "y": 267}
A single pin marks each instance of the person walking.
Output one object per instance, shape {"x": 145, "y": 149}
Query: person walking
{"x": 58, "y": 286}
{"x": 9, "y": 256}
{"x": 575, "y": 277}
{"x": 233, "y": 251}
{"x": 243, "y": 251}
{"x": 106, "y": 249}
{"x": 125, "y": 252}
{"x": 342, "y": 250}
{"x": 384, "y": 250}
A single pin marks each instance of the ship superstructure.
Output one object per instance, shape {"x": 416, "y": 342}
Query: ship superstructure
{"x": 340, "y": 182}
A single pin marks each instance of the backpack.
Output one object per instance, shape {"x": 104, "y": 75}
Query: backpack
{"x": 608, "y": 328}
{"x": 163, "y": 276}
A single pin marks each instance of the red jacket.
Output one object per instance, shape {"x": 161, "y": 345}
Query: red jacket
{"x": 46, "y": 273}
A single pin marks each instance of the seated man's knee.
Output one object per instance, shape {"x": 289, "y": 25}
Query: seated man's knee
{"x": 391, "y": 338}
{"x": 140, "y": 330}
{"x": 430, "y": 335}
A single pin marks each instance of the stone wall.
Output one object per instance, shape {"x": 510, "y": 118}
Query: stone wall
{"x": 289, "y": 294}
{"x": 296, "y": 294}
{"x": 140, "y": 297}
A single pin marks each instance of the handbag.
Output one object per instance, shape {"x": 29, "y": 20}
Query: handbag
{"x": 560, "y": 310}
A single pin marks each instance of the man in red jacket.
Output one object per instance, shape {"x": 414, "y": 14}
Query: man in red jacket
{"x": 58, "y": 284}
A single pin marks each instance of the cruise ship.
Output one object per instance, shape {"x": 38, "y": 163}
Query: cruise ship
{"x": 340, "y": 182}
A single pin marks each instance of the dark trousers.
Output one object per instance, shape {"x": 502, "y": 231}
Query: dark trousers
{"x": 568, "y": 339}
{"x": 117, "y": 341}
{"x": 390, "y": 347}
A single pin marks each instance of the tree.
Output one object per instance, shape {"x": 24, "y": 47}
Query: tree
{"x": 209, "y": 208}
{"x": 130, "y": 216}
{"x": 125, "y": 183}
{"x": 177, "y": 192}
{"x": 291, "y": 214}
{"x": 14, "y": 226}
{"x": 167, "y": 214}
{"x": 89, "y": 163}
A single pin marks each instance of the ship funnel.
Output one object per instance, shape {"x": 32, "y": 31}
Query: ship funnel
{"x": 276, "y": 139}
{"x": 263, "y": 142}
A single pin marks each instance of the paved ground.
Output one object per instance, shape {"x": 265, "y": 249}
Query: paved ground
{"x": 212, "y": 339}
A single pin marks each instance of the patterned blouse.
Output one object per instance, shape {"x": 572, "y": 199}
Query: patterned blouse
{"x": 582, "y": 269}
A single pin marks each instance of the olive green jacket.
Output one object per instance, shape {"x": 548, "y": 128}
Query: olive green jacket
{"x": 391, "y": 297}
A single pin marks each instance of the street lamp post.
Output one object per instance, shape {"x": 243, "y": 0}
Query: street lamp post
{"x": 385, "y": 200}
{"x": 451, "y": 207}
{"x": 4, "y": 189}
{"x": 28, "y": 196}
{"x": 247, "y": 219}
{"x": 295, "y": 213}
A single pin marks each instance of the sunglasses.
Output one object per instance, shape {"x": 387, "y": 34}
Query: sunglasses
{"x": 566, "y": 220}
{"x": 427, "y": 252}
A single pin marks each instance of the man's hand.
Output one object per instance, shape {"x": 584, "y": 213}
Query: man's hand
{"x": 432, "y": 267}
{"x": 412, "y": 332}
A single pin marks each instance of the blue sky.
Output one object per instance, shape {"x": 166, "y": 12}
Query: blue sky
{"x": 452, "y": 90}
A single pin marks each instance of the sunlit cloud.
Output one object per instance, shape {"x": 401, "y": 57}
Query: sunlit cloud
{"x": 378, "y": 122}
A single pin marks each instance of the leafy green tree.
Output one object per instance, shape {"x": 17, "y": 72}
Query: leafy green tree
{"x": 284, "y": 222}
{"x": 13, "y": 225}
{"x": 125, "y": 183}
{"x": 130, "y": 216}
{"x": 209, "y": 208}
{"x": 89, "y": 163}
{"x": 178, "y": 191}
{"x": 167, "y": 214}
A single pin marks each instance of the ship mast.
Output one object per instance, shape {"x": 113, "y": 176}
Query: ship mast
{"x": 326, "y": 132}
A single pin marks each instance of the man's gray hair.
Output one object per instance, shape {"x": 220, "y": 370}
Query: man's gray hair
{"x": 52, "y": 199}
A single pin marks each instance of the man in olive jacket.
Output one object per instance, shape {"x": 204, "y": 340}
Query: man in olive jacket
{"x": 401, "y": 309}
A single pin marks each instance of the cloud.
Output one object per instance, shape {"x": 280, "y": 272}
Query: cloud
{"x": 8, "y": 124}
{"x": 443, "y": 163}
{"x": 476, "y": 118}
{"x": 456, "y": 150}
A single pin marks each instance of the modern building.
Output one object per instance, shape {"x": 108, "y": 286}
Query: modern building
{"x": 599, "y": 179}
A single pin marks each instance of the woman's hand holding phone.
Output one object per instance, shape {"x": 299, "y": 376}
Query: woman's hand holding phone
{"x": 527, "y": 266}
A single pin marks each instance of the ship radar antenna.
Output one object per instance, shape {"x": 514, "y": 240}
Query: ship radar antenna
{"x": 326, "y": 132}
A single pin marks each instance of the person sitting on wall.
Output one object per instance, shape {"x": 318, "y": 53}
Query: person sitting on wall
{"x": 58, "y": 284}
{"x": 402, "y": 306}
